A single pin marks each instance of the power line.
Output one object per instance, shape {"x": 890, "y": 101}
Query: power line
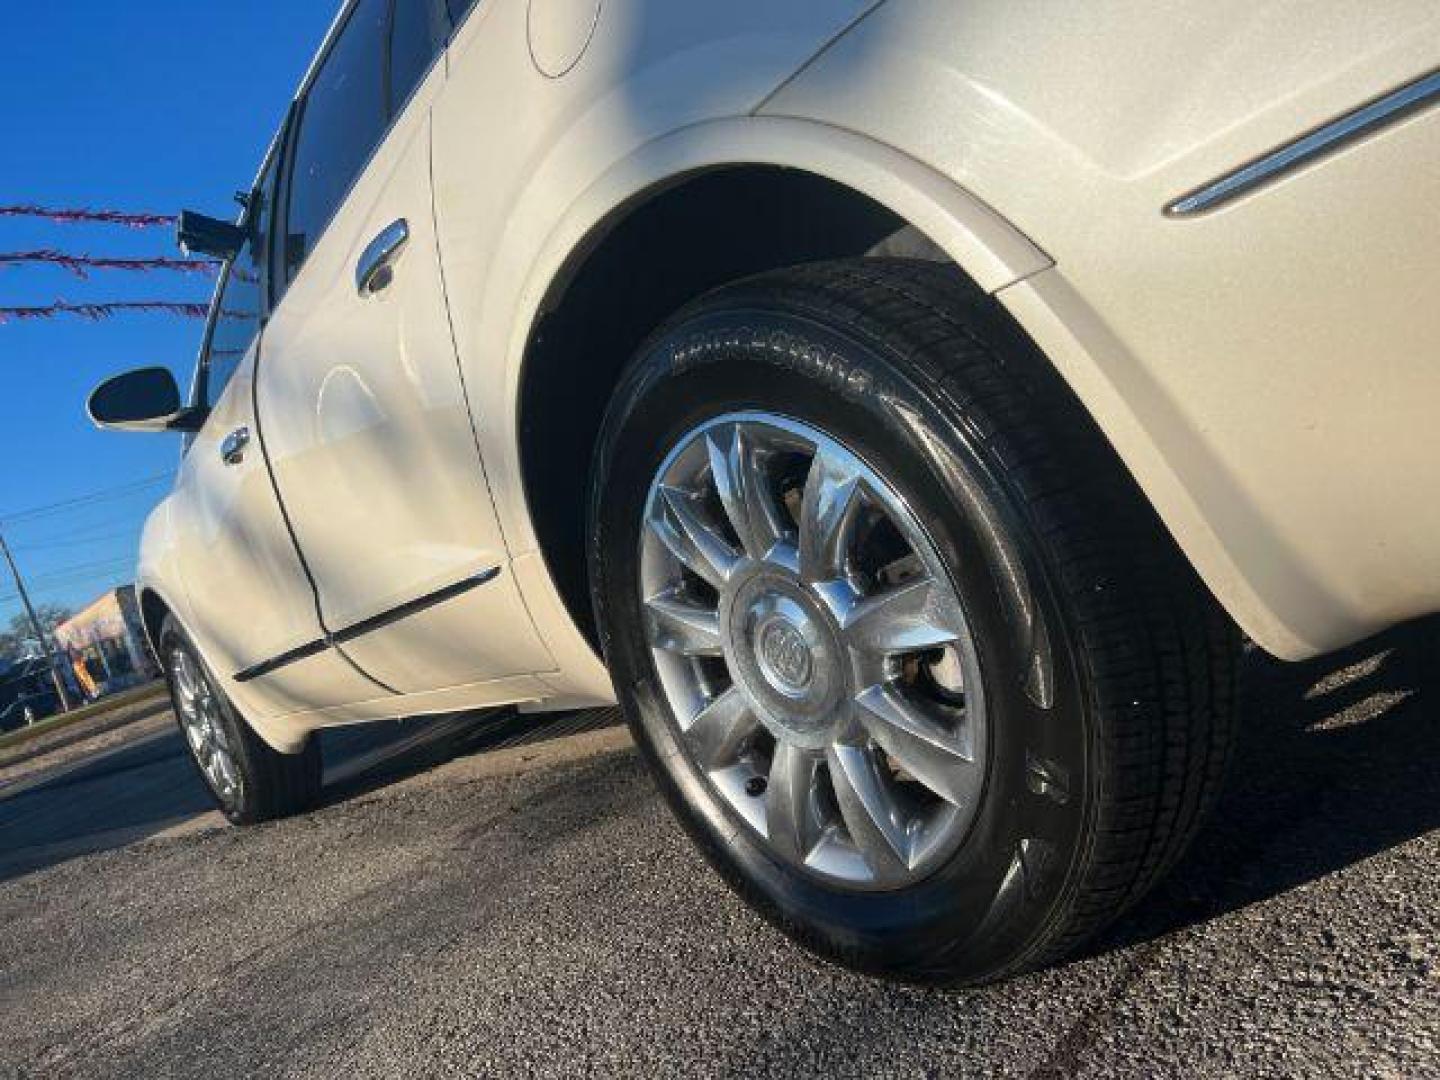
{"x": 120, "y": 575}
{"x": 118, "y": 491}
{"x": 97, "y": 566}
{"x": 39, "y": 630}
{"x": 108, "y": 518}
{"x": 48, "y": 543}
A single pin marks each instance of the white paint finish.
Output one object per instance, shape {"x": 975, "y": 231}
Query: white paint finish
{"x": 1265, "y": 370}
{"x": 247, "y": 598}
{"x": 486, "y": 630}
{"x": 369, "y": 434}
{"x": 580, "y": 680}
{"x": 288, "y": 733}
{"x": 567, "y": 154}
{"x": 992, "y": 252}
{"x": 559, "y": 32}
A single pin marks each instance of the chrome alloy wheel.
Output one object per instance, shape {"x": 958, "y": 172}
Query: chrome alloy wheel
{"x": 200, "y": 719}
{"x": 812, "y": 650}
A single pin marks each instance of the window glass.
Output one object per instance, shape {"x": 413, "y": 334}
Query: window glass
{"x": 344, "y": 117}
{"x": 458, "y": 10}
{"x": 412, "y": 50}
{"x": 241, "y": 302}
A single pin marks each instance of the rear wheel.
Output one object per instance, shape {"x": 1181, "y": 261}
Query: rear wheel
{"x": 250, "y": 781}
{"x": 912, "y": 659}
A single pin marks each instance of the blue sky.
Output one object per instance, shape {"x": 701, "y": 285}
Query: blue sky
{"x": 153, "y": 106}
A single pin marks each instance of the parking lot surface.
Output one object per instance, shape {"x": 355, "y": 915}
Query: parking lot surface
{"x": 471, "y": 902}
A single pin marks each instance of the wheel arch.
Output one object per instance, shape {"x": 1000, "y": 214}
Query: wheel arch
{"x": 153, "y": 609}
{"x": 748, "y": 196}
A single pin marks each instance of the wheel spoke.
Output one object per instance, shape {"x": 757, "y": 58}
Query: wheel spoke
{"x": 870, "y": 808}
{"x": 790, "y": 824}
{"x": 194, "y": 735}
{"x": 679, "y": 625}
{"x": 719, "y": 730}
{"x": 827, "y": 512}
{"x": 217, "y": 730}
{"x": 938, "y": 759}
{"x": 224, "y": 774}
{"x": 184, "y": 678}
{"x": 691, "y": 539}
{"x": 836, "y": 639}
{"x": 906, "y": 618}
{"x": 736, "y": 465}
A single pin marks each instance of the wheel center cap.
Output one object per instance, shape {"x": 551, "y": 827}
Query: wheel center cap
{"x": 784, "y": 655}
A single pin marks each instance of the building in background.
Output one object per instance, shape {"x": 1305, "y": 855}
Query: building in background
{"x": 105, "y": 644}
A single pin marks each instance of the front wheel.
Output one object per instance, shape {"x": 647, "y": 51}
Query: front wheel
{"x": 250, "y": 781}
{"x": 912, "y": 660}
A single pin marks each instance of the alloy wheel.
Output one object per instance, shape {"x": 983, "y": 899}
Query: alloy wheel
{"x": 812, "y": 650}
{"x": 200, "y": 720}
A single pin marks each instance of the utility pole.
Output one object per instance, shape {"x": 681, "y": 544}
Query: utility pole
{"x": 40, "y": 633}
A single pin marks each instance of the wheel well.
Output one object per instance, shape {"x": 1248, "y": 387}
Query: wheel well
{"x": 152, "y": 615}
{"x": 654, "y": 256}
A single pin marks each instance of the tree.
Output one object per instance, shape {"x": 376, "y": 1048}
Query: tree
{"x": 13, "y": 638}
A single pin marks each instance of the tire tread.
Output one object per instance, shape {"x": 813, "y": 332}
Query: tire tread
{"x": 1159, "y": 651}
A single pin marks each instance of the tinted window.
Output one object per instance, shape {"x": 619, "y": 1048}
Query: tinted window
{"x": 344, "y": 117}
{"x": 241, "y": 303}
{"x": 458, "y": 10}
{"x": 412, "y": 49}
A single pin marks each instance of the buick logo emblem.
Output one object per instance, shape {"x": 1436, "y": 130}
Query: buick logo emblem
{"x": 786, "y": 654}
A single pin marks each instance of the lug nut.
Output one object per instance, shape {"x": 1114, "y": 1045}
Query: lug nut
{"x": 755, "y": 786}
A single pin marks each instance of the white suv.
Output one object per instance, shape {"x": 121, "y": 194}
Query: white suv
{"x": 897, "y": 406}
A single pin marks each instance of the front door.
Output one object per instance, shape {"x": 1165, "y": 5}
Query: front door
{"x": 359, "y": 392}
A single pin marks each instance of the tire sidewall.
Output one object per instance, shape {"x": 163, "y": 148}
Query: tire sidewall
{"x": 239, "y": 809}
{"x": 985, "y": 908}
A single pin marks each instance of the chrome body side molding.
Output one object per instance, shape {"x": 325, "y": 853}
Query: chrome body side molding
{"x": 1326, "y": 139}
{"x": 364, "y": 626}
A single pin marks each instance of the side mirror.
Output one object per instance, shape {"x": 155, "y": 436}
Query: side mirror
{"x": 198, "y": 234}
{"x": 146, "y": 399}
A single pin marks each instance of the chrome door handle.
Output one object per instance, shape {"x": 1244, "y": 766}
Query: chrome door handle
{"x": 374, "y": 270}
{"x": 232, "y": 450}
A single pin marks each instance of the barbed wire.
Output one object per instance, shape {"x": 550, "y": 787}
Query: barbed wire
{"x": 86, "y": 215}
{"x": 98, "y": 312}
{"x": 81, "y": 265}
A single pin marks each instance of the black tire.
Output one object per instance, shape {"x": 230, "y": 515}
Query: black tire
{"x": 1108, "y": 666}
{"x": 271, "y": 784}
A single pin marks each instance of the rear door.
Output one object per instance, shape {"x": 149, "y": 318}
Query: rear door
{"x": 366, "y": 422}
{"x": 250, "y": 604}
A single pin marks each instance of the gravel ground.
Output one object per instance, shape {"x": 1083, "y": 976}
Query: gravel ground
{"x": 538, "y": 914}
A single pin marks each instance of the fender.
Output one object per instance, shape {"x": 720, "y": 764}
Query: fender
{"x": 1218, "y": 352}
{"x": 987, "y": 248}
{"x": 982, "y": 244}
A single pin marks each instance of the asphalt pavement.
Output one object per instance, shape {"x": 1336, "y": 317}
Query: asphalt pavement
{"x": 500, "y": 896}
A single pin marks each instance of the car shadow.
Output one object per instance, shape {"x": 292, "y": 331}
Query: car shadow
{"x": 147, "y": 787}
{"x": 1338, "y": 760}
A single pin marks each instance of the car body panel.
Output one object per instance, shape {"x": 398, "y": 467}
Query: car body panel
{"x": 369, "y": 438}
{"x": 1266, "y": 370}
{"x": 505, "y": 177}
{"x": 226, "y": 528}
{"x": 538, "y": 244}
